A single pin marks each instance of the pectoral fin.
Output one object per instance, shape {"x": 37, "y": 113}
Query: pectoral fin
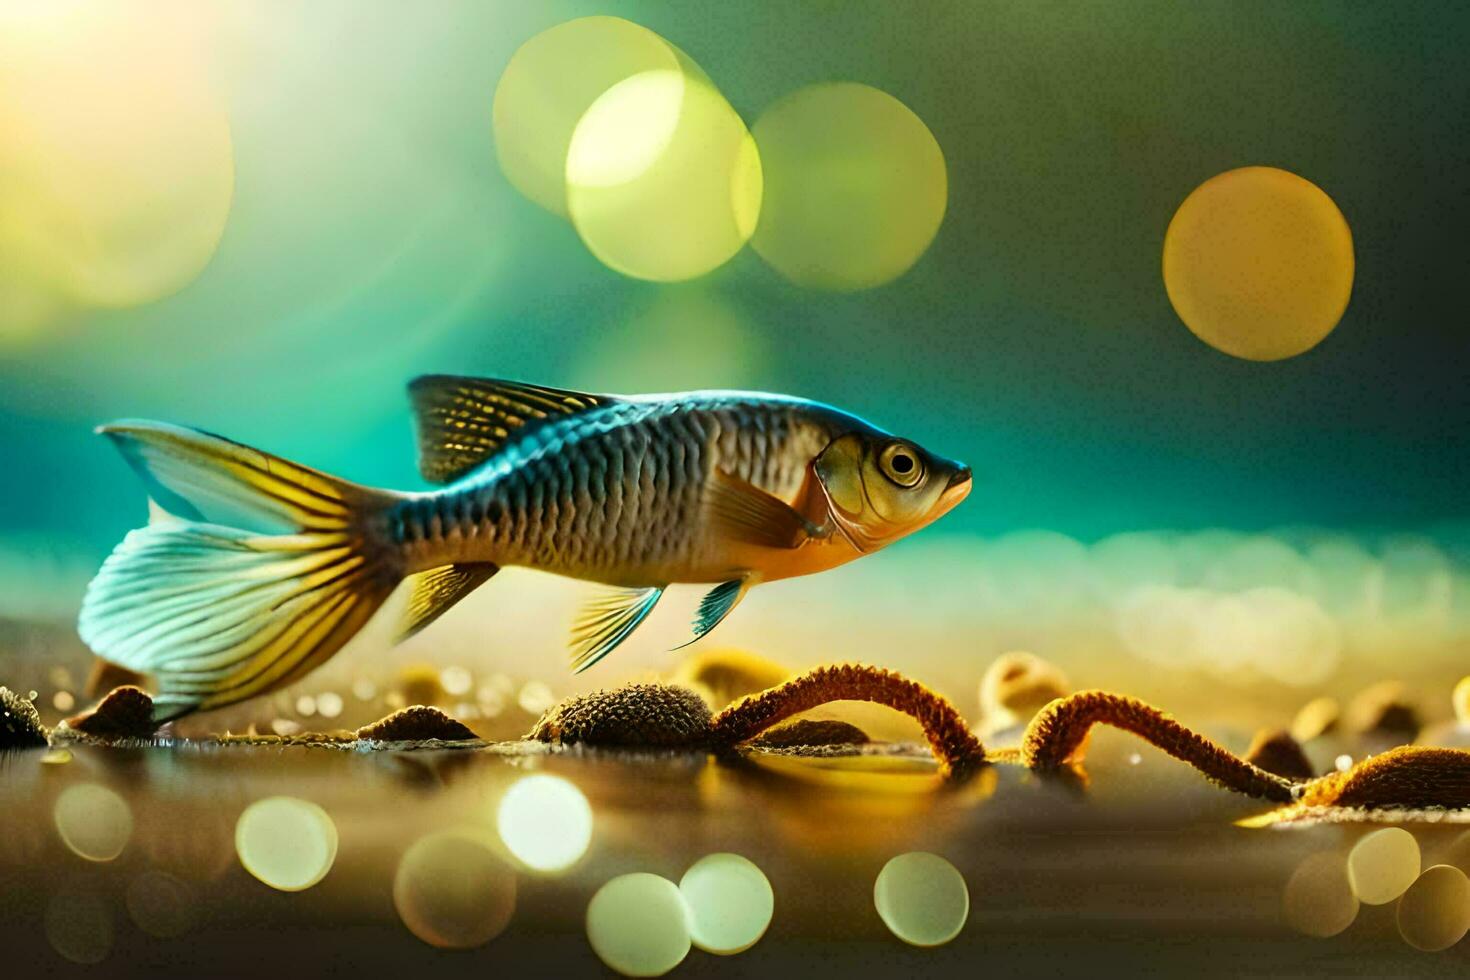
{"x": 716, "y": 605}
{"x": 747, "y": 513}
{"x": 609, "y": 620}
{"x": 436, "y": 590}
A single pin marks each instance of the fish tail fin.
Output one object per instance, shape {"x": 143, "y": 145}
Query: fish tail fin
{"x": 254, "y": 570}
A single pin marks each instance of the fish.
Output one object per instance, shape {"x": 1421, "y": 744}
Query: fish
{"x": 253, "y": 570}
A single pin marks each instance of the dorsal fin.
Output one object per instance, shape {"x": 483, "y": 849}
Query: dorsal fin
{"x": 464, "y": 421}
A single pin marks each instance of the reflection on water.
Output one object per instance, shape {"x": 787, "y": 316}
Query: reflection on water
{"x": 546, "y": 822}
{"x": 451, "y": 890}
{"x": 161, "y": 905}
{"x": 1319, "y": 899}
{"x": 287, "y": 843}
{"x": 922, "y": 898}
{"x": 1383, "y": 864}
{"x": 93, "y": 821}
{"x": 426, "y": 864}
{"x": 1434, "y": 913}
{"x": 730, "y": 903}
{"x": 79, "y": 925}
{"x": 639, "y": 925}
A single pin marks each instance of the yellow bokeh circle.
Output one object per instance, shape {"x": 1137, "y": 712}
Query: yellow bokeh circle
{"x": 116, "y": 153}
{"x": 551, "y": 82}
{"x": 663, "y": 179}
{"x": 855, "y": 187}
{"x": 1258, "y": 263}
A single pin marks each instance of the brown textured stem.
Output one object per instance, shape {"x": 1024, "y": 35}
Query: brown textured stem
{"x": 956, "y": 747}
{"x": 1412, "y": 776}
{"x": 1058, "y": 730}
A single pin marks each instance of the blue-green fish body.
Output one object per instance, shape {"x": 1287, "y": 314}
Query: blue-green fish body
{"x": 262, "y": 569}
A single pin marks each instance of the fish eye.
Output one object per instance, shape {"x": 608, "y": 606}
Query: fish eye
{"x": 901, "y": 464}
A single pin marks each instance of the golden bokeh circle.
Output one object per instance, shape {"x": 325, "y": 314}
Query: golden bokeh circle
{"x": 1258, "y": 263}
{"x": 117, "y": 155}
{"x": 855, "y": 187}
{"x": 663, "y": 179}
{"x": 548, "y": 86}
{"x": 452, "y": 891}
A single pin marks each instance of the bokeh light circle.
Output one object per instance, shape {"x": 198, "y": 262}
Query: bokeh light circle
{"x": 730, "y": 903}
{"x": 288, "y": 843}
{"x": 663, "y": 179}
{"x": 638, "y": 925}
{"x": 78, "y": 925}
{"x": 1319, "y": 900}
{"x": 117, "y": 156}
{"x": 548, "y": 86}
{"x": 1434, "y": 913}
{"x": 1258, "y": 263}
{"x": 161, "y": 904}
{"x": 93, "y": 821}
{"x": 1383, "y": 864}
{"x": 855, "y": 187}
{"x": 545, "y": 821}
{"x": 452, "y": 891}
{"x": 922, "y": 898}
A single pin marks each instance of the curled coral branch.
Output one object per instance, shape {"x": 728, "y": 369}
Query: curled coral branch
{"x": 958, "y": 750}
{"x": 1059, "y": 729}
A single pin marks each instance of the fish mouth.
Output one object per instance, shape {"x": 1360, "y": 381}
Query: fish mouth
{"x": 956, "y": 490}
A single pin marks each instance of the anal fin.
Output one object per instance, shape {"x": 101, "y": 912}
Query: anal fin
{"x": 609, "y": 620}
{"x": 436, "y": 590}
{"x": 716, "y": 605}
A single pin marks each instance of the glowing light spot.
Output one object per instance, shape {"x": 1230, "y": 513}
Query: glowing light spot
{"x": 285, "y": 727}
{"x": 1382, "y": 864}
{"x": 535, "y": 698}
{"x": 117, "y": 156}
{"x": 548, "y": 86}
{"x": 79, "y": 927}
{"x": 329, "y": 704}
{"x": 63, "y": 701}
{"x": 730, "y": 903}
{"x": 638, "y": 925}
{"x": 364, "y": 689}
{"x": 922, "y": 898}
{"x": 306, "y": 706}
{"x": 855, "y": 187}
{"x": 545, "y": 822}
{"x": 1342, "y": 763}
{"x": 1460, "y": 699}
{"x": 161, "y": 905}
{"x": 456, "y": 681}
{"x": 1319, "y": 899}
{"x": 663, "y": 179}
{"x": 453, "y": 892}
{"x": 1434, "y": 913}
{"x": 1258, "y": 263}
{"x": 289, "y": 844}
{"x": 94, "y": 822}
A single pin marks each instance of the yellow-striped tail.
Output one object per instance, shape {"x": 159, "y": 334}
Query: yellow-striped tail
{"x": 257, "y": 571}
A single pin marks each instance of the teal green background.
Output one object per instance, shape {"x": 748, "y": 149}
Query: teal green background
{"x": 373, "y": 238}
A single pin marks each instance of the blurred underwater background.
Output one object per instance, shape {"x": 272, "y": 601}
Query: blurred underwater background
{"x": 264, "y": 218}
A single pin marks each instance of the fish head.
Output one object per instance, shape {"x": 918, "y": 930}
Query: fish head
{"x": 880, "y": 488}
